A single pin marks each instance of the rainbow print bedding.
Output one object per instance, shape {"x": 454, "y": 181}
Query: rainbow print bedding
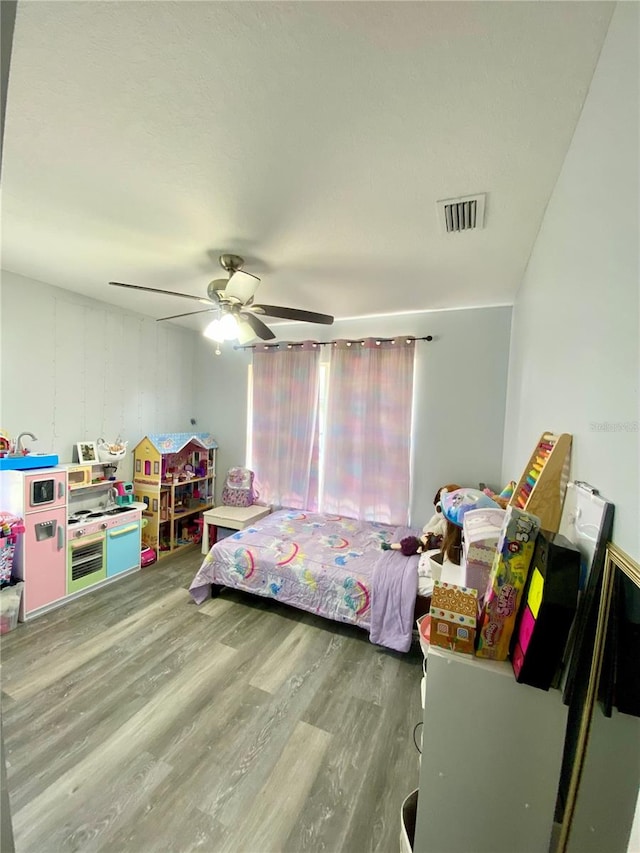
{"x": 329, "y": 565}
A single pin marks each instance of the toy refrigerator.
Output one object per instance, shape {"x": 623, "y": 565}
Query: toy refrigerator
{"x": 40, "y": 498}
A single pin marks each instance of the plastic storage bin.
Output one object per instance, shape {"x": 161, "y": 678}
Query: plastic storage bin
{"x": 10, "y": 598}
{"x": 224, "y": 532}
{"x": 424, "y": 633}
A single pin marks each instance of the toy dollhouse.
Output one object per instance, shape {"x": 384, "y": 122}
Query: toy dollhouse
{"x": 174, "y": 475}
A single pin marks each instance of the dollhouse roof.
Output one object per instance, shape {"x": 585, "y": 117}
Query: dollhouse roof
{"x": 173, "y": 442}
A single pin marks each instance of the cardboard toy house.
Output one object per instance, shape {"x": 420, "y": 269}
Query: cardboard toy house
{"x": 453, "y": 617}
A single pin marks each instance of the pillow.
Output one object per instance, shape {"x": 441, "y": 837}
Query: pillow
{"x": 456, "y": 504}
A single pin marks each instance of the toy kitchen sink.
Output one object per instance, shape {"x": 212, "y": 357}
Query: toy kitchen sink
{"x": 25, "y": 463}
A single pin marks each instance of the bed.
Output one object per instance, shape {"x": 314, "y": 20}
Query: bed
{"x": 329, "y": 565}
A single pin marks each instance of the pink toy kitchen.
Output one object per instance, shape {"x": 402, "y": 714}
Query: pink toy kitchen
{"x": 81, "y": 529}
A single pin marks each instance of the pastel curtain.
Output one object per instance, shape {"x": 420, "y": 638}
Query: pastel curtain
{"x": 368, "y": 430}
{"x": 285, "y": 425}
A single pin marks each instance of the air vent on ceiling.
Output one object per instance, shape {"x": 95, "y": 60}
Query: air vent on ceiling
{"x": 462, "y": 214}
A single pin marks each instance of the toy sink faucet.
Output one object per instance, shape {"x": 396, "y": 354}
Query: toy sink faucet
{"x": 19, "y": 450}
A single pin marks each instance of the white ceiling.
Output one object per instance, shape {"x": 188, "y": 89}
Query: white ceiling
{"x": 314, "y": 138}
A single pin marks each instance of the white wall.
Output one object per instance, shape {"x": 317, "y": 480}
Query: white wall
{"x": 73, "y": 369}
{"x": 459, "y": 404}
{"x": 574, "y": 362}
{"x": 574, "y": 367}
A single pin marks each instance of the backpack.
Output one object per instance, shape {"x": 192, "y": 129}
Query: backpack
{"x": 238, "y": 488}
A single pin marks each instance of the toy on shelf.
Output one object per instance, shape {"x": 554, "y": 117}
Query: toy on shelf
{"x": 542, "y": 486}
{"x": 124, "y": 493}
{"x": 110, "y": 453}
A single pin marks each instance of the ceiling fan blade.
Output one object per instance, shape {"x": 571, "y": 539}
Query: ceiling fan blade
{"x": 157, "y": 290}
{"x": 293, "y": 314}
{"x": 188, "y": 314}
{"x": 245, "y": 331}
{"x": 241, "y": 286}
{"x": 258, "y": 327}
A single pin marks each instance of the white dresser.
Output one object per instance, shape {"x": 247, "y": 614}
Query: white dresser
{"x": 491, "y": 756}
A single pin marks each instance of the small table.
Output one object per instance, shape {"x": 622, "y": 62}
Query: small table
{"x": 235, "y": 517}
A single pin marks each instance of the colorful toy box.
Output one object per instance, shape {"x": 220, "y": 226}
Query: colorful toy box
{"x": 453, "y": 617}
{"x": 481, "y": 529}
{"x": 506, "y": 582}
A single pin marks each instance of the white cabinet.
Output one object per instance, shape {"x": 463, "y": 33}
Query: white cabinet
{"x": 491, "y": 756}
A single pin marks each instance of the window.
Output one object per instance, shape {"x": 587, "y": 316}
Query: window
{"x": 332, "y": 432}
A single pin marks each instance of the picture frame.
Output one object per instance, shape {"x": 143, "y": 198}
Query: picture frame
{"x": 617, "y": 566}
{"x": 87, "y": 452}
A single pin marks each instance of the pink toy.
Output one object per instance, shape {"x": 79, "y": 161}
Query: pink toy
{"x": 147, "y": 557}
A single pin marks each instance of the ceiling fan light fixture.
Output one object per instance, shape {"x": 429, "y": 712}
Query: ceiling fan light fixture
{"x": 224, "y": 328}
{"x": 212, "y": 331}
{"x": 229, "y": 327}
{"x": 241, "y": 286}
{"x": 245, "y": 332}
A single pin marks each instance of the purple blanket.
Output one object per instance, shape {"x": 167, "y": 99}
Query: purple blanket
{"x": 329, "y": 565}
{"x": 393, "y": 597}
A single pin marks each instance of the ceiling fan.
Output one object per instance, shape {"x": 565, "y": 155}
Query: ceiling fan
{"x": 232, "y": 299}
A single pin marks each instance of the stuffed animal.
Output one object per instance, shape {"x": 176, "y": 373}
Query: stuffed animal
{"x": 432, "y": 533}
{"x": 436, "y": 528}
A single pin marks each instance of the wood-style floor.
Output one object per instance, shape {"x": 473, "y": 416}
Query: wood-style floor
{"x": 135, "y": 721}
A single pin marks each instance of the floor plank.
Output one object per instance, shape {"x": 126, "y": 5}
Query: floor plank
{"x": 283, "y": 795}
{"x": 136, "y": 722}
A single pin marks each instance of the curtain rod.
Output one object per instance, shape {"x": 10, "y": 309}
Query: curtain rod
{"x": 289, "y": 344}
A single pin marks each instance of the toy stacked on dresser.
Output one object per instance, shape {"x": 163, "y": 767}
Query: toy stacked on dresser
{"x": 498, "y": 549}
{"x": 542, "y": 486}
{"x": 454, "y": 608}
{"x": 506, "y": 582}
{"x": 481, "y": 529}
{"x": 500, "y": 544}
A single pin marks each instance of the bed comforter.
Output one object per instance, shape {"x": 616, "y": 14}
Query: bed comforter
{"x": 329, "y": 565}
